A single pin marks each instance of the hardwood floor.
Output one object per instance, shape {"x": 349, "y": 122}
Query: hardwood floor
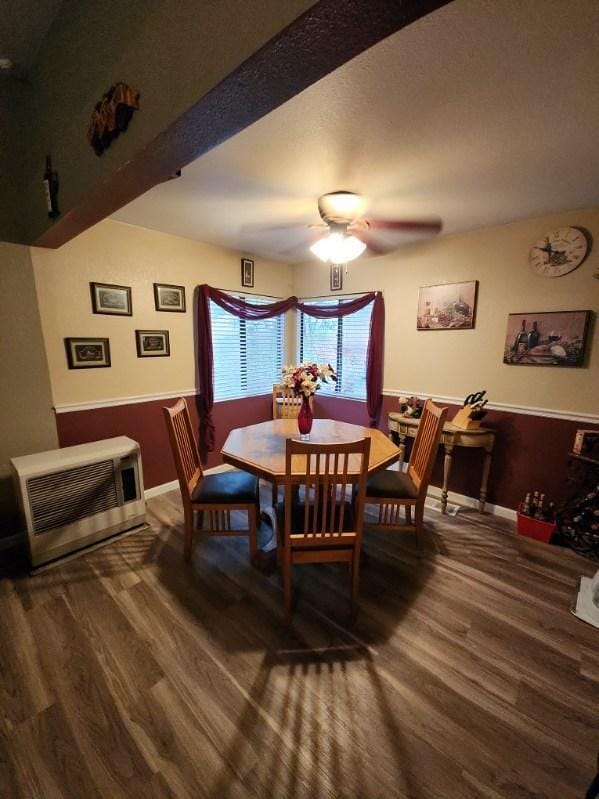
{"x": 126, "y": 673}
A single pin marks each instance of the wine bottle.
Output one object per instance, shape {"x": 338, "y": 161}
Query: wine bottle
{"x": 51, "y": 189}
{"x": 534, "y": 503}
{"x": 526, "y": 505}
{"x": 540, "y": 510}
{"x": 521, "y": 340}
{"x": 533, "y": 336}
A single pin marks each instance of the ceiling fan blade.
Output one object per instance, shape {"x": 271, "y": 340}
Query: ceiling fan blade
{"x": 283, "y": 228}
{"x": 374, "y": 248}
{"x": 430, "y": 226}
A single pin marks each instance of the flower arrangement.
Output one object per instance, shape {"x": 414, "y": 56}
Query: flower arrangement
{"x": 306, "y": 378}
{"x": 411, "y": 406}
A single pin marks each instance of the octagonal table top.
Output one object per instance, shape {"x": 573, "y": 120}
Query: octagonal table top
{"x": 260, "y": 448}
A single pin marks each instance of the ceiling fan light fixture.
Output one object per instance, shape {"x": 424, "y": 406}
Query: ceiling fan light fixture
{"x": 338, "y": 248}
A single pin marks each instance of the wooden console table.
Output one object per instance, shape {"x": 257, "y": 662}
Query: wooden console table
{"x": 452, "y": 436}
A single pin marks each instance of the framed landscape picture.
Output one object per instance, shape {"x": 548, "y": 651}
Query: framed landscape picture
{"x": 449, "y": 306}
{"x": 169, "y": 298}
{"x": 87, "y": 353}
{"x": 546, "y": 338}
{"x": 247, "y": 273}
{"x": 152, "y": 343}
{"x": 110, "y": 299}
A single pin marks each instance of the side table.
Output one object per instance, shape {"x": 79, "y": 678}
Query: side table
{"x": 480, "y": 437}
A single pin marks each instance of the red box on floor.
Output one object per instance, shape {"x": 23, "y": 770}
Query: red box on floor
{"x": 535, "y": 528}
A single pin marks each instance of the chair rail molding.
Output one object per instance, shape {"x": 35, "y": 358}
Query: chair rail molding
{"x": 130, "y": 400}
{"x": 529, "y": 410}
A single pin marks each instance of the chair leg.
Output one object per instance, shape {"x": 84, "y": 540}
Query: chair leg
{"x": 355, "y": 581}
{"x": 188, "y": 516}
{"x": 252, "y": 516}
{"x": 419, "y": 522}
{"x": 286, "y": 569}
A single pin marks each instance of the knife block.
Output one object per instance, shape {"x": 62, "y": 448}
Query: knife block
{"x": 463, "y": 421}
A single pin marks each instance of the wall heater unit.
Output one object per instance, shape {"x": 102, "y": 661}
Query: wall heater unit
{"x": 76, "y": 496}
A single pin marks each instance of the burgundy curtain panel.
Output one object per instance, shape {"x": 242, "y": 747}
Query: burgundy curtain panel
{"x": 251, "y": 311}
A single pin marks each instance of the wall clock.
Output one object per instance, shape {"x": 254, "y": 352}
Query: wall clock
{"x": 559, "y": 252}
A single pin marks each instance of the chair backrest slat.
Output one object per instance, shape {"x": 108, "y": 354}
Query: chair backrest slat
{"x": 183, "y": 445}
{"x": 426, "y": 444}
{"x": 327, "y": 473}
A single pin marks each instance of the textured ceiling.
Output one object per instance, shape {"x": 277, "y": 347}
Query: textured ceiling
{"x": 484, "y": 112}
{"x": 23, "y": 25}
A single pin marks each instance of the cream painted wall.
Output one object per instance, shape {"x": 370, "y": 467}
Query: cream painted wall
{"x": 455, "y": 362}
{"x": 26, "y": 420}
{"x": 113, "y": 252}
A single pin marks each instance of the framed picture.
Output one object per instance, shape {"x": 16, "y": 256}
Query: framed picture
{"x": 152, "y": 343}
{"x": 169, "y": 298}
{"x": 110, "y": 299}
{"x": 247, "y": 273}
{"x": 449, "y": 306}
{"x": 546, "y": 338}
{"x": 87, "y": 353}
{"x": 336, "y": 277}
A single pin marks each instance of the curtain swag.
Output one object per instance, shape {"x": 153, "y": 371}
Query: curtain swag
{"x": 252, "y": 311}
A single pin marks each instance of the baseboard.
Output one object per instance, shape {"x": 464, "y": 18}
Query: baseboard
{"x": 434, "y": 492}
{"x": 472, "y": 502}
{"x": 173, "y": 485}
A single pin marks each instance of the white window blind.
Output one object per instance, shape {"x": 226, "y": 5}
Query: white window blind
{"x": 341, "y": 342}
{"x": 248, "y": 355}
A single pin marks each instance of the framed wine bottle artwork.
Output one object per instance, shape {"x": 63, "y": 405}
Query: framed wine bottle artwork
{"x": 547, "y": 338}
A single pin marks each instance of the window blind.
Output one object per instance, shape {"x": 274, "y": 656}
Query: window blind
{"x": 341, "y": 342}
{"x": 248, "y": 355}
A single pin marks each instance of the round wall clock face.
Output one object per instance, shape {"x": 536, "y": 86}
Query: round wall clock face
{"x": 559, "y": 252}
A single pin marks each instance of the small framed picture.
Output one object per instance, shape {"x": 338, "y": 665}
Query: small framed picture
{"x": 336, "y": 277}
{"x": 109, "y": 299}
{"x": 152, "y": 343}
{"x": 87, "y": 353}
{"x": 169, "y": 298}
{"x": 247, "y": 273}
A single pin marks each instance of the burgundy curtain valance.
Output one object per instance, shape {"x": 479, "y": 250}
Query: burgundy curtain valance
{"x": 254, "y": 311}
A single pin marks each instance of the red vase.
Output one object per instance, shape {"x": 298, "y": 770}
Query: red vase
{"x": 304, "y": 418}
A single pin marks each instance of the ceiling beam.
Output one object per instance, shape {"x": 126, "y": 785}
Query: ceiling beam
{"x": 319, "y": 41}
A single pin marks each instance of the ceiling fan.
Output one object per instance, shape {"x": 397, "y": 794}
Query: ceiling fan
{"x": 346, "y": 234}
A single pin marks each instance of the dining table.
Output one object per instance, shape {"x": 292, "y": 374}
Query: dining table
{"x": 260, "y": 450}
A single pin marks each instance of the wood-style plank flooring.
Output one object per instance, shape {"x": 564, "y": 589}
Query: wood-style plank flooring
{"x": 126, "y": 673}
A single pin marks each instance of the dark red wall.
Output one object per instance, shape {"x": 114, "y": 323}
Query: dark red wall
{"x": 530, "y": 451}
{"x": 143, "y": 422}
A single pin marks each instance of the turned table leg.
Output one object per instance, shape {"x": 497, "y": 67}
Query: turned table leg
{"x": 446, "y": 473}
{"x": 402, "y": 450}
{"x": 485, "y": 480}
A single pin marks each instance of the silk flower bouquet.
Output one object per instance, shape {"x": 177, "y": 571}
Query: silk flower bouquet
{"x": 306, "y": 378}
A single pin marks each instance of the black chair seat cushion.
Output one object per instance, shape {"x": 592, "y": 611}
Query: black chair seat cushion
{"x": 226, "y": 488}
{"x": 389, "y": 483}
{"x": 297, "y": 518}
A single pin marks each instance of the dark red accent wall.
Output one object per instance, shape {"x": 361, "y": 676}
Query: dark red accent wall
{"x": 530, "y": 453}
{"x": 143, "y": 422}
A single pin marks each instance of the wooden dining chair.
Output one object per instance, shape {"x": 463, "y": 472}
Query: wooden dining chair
{"x": 392, "y": 490}
{"x": 285, "y": 403}
{"x": 317, "y": 522}
{"x": 215, "y": 495}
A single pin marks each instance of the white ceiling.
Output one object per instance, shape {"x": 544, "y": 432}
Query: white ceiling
{"x": 484, "y": 112}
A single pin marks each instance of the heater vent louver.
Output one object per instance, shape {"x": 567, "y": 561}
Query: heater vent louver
{"x": 62, "y": 498}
